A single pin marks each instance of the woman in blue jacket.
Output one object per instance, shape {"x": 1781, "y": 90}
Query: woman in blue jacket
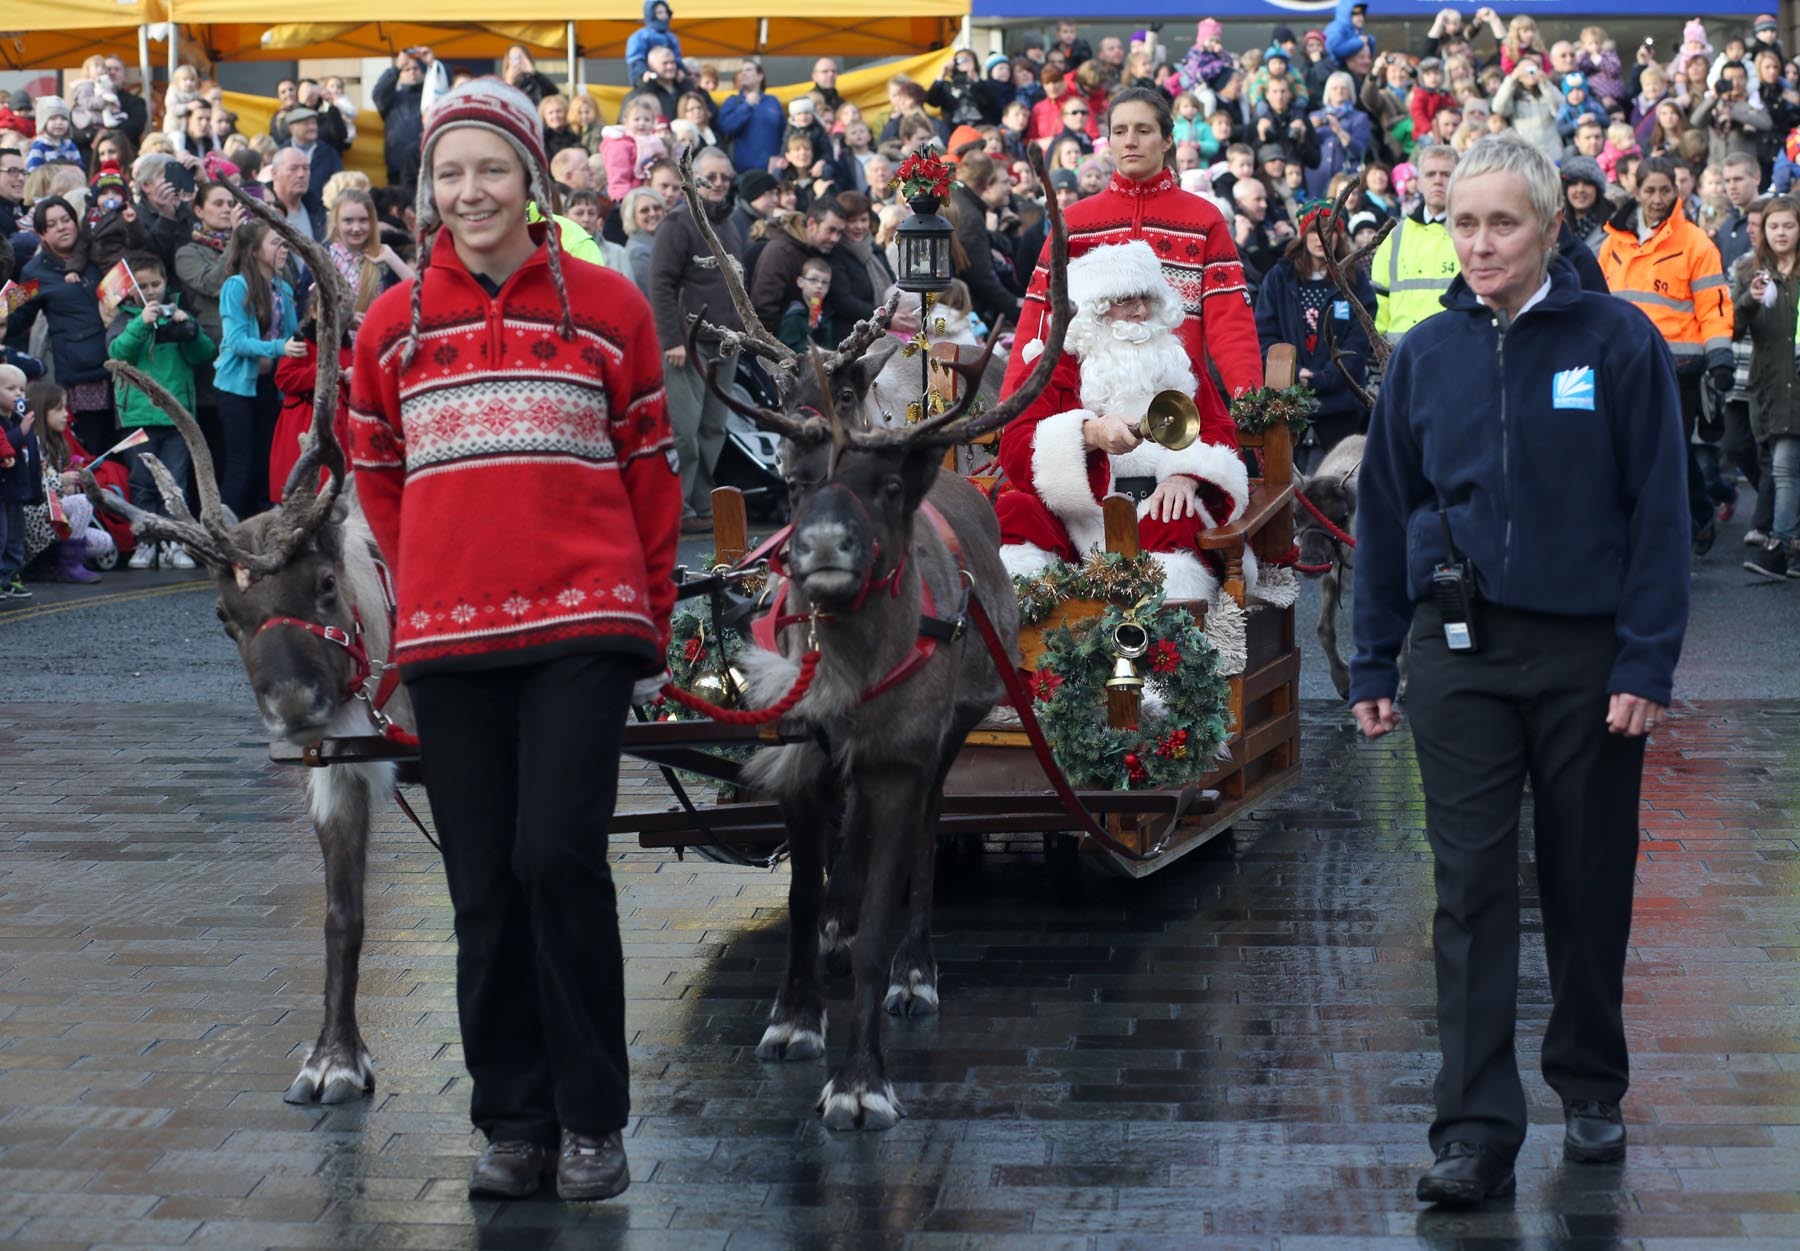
{"x": 65, "y": 296}
{"x": 753, "y": 120}
{"x": 1299, "y": 304}
{"x": 1343, "y": 131}
{"x": 257, "y": 319}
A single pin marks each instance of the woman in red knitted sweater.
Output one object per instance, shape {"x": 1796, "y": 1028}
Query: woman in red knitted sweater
{"x": 1191, "y": 239}
{"x": 514, "y": 460}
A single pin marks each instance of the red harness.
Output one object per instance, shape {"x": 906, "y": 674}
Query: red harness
{"x": 362, "y": 668}
{"x": 932, "y": 628}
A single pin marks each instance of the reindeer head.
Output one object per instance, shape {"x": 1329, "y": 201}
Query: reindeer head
{"x": 1336, "y": 498}
{"x": 854, "y": 484}
{"x": 285, "y": 563}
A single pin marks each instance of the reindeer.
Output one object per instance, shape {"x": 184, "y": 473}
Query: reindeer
{"x": 301, "y": 593}
{"x": 1332, "y": 489}
{"x": 860, "y": 563}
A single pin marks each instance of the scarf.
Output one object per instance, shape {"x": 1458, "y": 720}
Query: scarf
{"x": 214, "y": 239}
{"x": 359, "y": 274}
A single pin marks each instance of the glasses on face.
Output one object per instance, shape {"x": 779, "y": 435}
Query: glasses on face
{"x": 712, "y": 180}
{"x": 1075, "y": 112}
{"x": 11, "y": 171}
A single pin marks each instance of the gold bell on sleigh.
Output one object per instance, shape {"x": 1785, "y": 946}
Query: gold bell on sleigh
{"x": 716, "y": 689}
{"x": 1130, "y": 641}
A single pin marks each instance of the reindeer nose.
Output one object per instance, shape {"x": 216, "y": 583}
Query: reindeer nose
{"x": 826, "y": 545}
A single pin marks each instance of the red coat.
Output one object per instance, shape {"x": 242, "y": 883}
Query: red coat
{"x": 1200, "y": 261}
{"x": 1425, "y": 105}
{"x": 1096, "y": 101}
{"x": 522, "y": 486}
{"x": 1046, "y": 119}
{"x": 295, "y": 378}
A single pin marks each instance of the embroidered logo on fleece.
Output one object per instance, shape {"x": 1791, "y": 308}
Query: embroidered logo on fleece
{"x": 1573, "y": 388}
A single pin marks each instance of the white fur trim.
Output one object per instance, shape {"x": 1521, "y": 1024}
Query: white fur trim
{"x": 1226, "y": 625}
{"x": 1117, "y": 272}
{"x": 1025, "y": 560}
{"x": 1185, "y": 576}
{"x": 1059, "y": 476}
{"x": 1214, "y": 463}
{"x": 1033, "y": 350}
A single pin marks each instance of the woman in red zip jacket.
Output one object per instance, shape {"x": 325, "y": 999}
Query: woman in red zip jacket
{"x": 514, "y": 460}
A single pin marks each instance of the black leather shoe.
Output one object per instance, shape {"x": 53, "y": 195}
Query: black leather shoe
{"x": 1595, "y": 1132}
{"x": 509, "y": 1169}
{"x": 1467, "y": 1173}
{"x": 592, "y": 1168}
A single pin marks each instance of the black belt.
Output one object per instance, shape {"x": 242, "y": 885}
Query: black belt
{"x": 1135, "y": 489}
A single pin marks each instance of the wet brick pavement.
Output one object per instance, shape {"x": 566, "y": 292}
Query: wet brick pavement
{"x": 1234, "y": 1054}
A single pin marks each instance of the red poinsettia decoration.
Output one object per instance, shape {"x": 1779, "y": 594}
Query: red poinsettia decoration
{"x": 694, "y": 650}
{"x": 1165, "y": 657}
{"x": 922, "y": 173}
{"x": 1043, "y": 685}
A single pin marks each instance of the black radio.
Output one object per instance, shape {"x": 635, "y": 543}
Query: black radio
{"x": 1453, "y": 589}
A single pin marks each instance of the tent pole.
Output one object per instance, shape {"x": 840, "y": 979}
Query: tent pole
{"x": 574, "y": 68}
{"x": 174, "y": 49}
{"x": 148, "y": 87}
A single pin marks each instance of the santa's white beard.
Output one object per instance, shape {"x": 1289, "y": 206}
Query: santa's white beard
{"x": 1119, "y": 376}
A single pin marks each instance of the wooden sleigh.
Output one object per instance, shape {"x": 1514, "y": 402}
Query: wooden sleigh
{"x": 998, "y": 786}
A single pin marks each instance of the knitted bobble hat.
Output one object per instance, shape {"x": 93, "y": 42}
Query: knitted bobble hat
{"x": 504, "y": 110}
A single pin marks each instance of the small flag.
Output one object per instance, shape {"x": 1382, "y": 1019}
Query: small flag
{"x": 59, "y": 518}
{"x": 17, "y": 295}
{"x": 117, "y": 287}
{"x": 140, "y": 435}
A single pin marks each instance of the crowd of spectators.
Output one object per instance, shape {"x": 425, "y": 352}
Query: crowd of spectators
{"x": 1688, "y": 156}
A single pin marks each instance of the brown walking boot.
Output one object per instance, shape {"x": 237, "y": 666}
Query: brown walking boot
{"x": 509, "y": 1169}
{"x": 592, "y": 1168}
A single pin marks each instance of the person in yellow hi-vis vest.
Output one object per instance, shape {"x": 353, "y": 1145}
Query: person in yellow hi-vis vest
{"x": 1415, "y": 264}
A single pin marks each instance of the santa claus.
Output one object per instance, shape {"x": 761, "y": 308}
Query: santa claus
{"x": 1081, "y": 440}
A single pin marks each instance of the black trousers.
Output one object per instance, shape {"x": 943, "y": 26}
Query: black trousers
{"x": 521, "y": 766}
{"x": 1530, "y": 704}
{"x": 248, "y": 424}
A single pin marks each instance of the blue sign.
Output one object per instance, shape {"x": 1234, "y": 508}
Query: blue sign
{"x": 1321, "y": 11}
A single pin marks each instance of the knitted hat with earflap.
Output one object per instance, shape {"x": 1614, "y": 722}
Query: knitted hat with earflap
{"x": 504, "y": 110}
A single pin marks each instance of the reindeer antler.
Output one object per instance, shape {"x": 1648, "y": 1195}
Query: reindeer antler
{"x": 958, "y": 424}
{"x": 212, "y": 536}
{"x": 1340, "y": 271}
{"x": 800, "y": 429}
{"x": 865, "y": 332}
{"x": 755, "y": 337}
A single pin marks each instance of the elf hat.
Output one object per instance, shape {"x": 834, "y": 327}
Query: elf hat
{"x": 1118, "y": 272}
{"x": 501, "y": 109}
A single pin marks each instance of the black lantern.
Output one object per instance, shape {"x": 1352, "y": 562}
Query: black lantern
{"x": 925, "y": 248}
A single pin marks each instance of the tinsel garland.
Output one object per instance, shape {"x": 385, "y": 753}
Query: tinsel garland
{"x": 1107, "y": 576}
{"x": 1256, "y": 410}
{"x": 1182, "y": 727}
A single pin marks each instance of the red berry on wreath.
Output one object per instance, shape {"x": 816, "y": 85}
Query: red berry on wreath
{"x": 694, "y": 650}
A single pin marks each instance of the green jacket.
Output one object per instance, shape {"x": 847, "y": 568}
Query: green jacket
{"x": 575, "y": 241}
{"x": 1774, "y": 391}
{"x": 171, "y": 364}
{"x": 1411, "y": 270}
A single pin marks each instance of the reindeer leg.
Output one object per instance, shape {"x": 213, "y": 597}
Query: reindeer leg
{"x": 912, "y": 980}
{"x": 1330, "y": 600}
{"x": 797, "y": 1024}
{"x": 338, "y": 1068}
{"x": 844, "y": 888}
{"x": 859, "y": 1095}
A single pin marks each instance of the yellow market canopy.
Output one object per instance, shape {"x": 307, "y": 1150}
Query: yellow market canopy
{"x": 250, "y": 30}
{"x": 49, "y": 34}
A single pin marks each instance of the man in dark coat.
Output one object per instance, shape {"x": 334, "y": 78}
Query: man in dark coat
{"x": 980, "y": 185}
{"x": 772, "y": 285}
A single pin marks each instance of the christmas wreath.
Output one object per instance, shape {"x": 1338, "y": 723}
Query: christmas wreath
{"x": 1186, "y": 711}
{"x": 1256, "y": 410}
{"x": 692, "y": 648}
{"x": 1107, "y": 576}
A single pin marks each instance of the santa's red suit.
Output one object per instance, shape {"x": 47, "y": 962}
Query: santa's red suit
{"x": 1049, "y": 507}
{"x": 1193, "y": 243}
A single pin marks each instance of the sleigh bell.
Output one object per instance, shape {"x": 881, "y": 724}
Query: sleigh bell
{"x": 1172, "y": 421}
{"x": 716, "y": 689}
{"x": 1130, "y": 641}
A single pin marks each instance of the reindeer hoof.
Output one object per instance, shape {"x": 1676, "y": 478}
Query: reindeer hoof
{"x": 792, "y": 1040}
{"x": 330, "y": 1078}
{"x": 916, "y": 996}
{"x": 854, "y": 1106}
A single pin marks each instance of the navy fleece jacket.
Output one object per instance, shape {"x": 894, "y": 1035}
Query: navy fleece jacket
{"x": 1556, "y": 448}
